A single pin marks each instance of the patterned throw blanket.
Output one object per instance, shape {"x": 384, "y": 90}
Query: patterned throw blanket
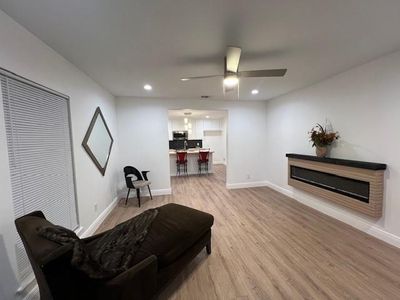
{"x": 112, "y": 253}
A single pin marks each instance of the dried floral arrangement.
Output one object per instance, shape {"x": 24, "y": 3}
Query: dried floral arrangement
{"x": 320, "y": 137}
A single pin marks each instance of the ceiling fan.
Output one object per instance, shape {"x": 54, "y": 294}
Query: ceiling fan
{"x": 232, "y": 74}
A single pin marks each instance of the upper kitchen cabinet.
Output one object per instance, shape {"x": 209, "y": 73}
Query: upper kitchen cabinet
{"x": 199, "y": 129}
{"x": 170, "y": 137}
{"x": 179, "y": 124}
{"x": 210, "y": 124}
{"x": 194, "y": 127}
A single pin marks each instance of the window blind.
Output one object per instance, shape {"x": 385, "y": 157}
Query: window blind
{"x": 40, "y": 155}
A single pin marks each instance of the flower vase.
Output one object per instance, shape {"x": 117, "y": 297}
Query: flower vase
{"x": 321, "y": 151}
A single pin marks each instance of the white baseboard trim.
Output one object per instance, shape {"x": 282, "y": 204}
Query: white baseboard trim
{"x": 144, "y": 192}
{"x": 244, "y": 185}
{"x": 341, "y": 215}
{"x": 160, "y": 192}
{"x": 102, "y": 216}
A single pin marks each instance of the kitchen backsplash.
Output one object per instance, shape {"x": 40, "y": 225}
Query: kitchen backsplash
{"x": 178, "y": 144}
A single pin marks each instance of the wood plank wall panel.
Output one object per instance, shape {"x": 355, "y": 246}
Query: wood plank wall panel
{"x": 374, "y": 177}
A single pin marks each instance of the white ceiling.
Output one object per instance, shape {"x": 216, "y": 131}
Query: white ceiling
{"x": 196, "y": 114}
{"x": 124, "y": 44}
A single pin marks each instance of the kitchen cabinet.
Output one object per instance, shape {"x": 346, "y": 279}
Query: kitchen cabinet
{"x": 170, "y": 137}
{"x": 199, "y": 129}
{"x": 210, "y": 124}
{"x": 198, "y": 126}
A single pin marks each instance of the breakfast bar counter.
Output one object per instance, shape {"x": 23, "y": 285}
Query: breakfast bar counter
{"x": 192, "y": 164}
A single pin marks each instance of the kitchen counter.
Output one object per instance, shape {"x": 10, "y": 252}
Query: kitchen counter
{"x": 189, "y": 151}
{"x": 192, "y": 164}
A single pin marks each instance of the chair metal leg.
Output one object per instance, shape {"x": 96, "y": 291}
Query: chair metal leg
{"x": 151, "y": 196}
{"x": 127, "y": 196}
{"x": 138, "y": 195}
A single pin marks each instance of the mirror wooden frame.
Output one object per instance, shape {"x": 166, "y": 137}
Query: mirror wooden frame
{"x": 85, "y": 145}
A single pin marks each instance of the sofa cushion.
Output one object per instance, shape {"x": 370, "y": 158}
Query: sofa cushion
{"x": 175, "y": 230}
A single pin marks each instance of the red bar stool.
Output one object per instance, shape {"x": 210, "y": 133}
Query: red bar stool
{"x": 203, "y": 159}
{"x": 181, "y": 160}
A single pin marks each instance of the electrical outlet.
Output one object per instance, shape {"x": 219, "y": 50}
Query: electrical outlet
{"x": 95, "y": 207}
{"x": 248, "y": 176}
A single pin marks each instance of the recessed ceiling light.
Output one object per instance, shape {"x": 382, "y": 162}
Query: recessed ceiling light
{"x": 207, "y": 117}
{"x": 148, "y": 87}
{"x": 185, "y": 79}
{"x": 254, "y": 92}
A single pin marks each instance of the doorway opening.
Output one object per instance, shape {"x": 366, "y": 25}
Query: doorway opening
{"x": 191, "y": 132}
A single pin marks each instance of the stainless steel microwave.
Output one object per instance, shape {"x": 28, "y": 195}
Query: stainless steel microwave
{"x": 180, "y": 135}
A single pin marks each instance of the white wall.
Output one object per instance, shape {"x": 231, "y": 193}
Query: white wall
{"x": 143, "y": 133}
{"x": 24, "y": 54}
{"x": 363, "y": 104}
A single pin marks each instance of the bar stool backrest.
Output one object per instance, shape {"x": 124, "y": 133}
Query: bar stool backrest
{"x": 181, "y": 156}
{"x": 203, "y": 155}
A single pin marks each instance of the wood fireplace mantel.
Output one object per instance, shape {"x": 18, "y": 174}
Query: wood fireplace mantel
{"x": 355, "y": 184}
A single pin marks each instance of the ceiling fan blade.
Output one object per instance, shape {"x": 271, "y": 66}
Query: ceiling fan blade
{"x": 232, "y": 59}
{"x": 263, "y": 73}
{"x": 200, "y": 77}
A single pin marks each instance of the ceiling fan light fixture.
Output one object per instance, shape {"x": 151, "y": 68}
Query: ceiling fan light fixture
{"x": 231, "y": 81}
{"x": 232, "y": 74}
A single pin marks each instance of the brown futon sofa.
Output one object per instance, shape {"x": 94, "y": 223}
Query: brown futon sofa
{"x": 175, "y": 237}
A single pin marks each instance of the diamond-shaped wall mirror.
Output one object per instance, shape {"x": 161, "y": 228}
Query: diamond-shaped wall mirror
{"x": 98, "y": 141}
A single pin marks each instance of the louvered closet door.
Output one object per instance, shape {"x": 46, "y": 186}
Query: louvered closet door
{"x": 40, "y": 155}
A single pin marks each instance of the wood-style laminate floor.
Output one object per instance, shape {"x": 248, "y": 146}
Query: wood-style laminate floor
{"x": 268, "y": 246}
